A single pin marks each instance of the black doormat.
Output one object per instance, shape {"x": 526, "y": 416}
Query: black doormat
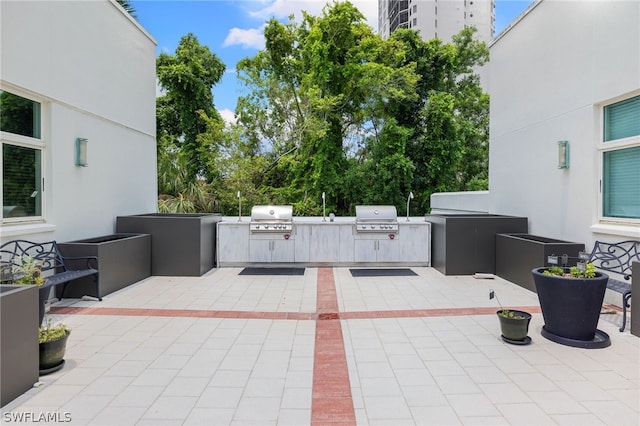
{"x": 395, "y": 272}
{"x": 272, "y": 271}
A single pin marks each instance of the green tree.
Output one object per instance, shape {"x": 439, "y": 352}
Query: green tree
{"x": 188, "y": 77}
{"x": 449, "y": 120}
{"x": 316, "y": 88}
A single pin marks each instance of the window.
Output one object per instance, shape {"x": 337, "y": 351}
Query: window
{"x": 21, "y": 167}
{"x": 621, "y": 160}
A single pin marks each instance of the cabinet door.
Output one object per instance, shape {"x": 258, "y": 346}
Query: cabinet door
{"x": 233, "y": 243}
{"x": 365, "y": 250}
{"x": 302, "y": 241}
{"x": 282, "y": 250}
{"x": 387, "y": 250}
{"x": 323, "y": 245}
{"x": 260, "y": 250}
{"x": 346, "y": 245}
{"x": 415, "y": 244}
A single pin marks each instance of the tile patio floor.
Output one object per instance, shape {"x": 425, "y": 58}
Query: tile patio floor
{"x": 326, "y": 348}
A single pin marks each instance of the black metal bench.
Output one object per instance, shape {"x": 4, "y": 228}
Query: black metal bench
{"x": 617, "y": 258}
{"x": 52, "y": 264}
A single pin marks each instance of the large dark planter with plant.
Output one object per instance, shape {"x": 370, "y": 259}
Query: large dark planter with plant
{"x": 181, "y": 244}
{"x": 123, "y": 259}
{"x": 18, "y": 340}
{"x": 518, "y": 254}
{"x": 571, "y": 309}
{"x": 465, "y": 244}
{"x": 514, "y": 325}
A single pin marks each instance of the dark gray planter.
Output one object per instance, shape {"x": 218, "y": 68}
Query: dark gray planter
{"x": 181, "y": 244}
{"x": 123, "y": 259}
{"x": 635, "y": 291}
{"x": 571, "y": 309}
{"x": 518, "y": 254}
{"x": 18, "y": 340}
{"x": 466, "y": 244}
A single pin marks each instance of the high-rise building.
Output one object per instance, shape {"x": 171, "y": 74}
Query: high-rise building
{"x": 437, "y": 18}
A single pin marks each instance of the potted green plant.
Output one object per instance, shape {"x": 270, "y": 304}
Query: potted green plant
{"x": 28, "y": 271}
{"x": 52, "y": 341}
{"x": 514, "y": 324}
{"x": 571, "y": 301}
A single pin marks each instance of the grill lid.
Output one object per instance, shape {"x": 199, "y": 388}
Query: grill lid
{"x": 376, "y": 219}
{"x": 271, "y": 213}
{"x": 376, "y": 214}
{"x": 271, "y": 219}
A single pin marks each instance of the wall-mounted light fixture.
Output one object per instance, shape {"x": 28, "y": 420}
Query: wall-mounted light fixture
{"x": 81, "y": 152}
{"x": 563, "y": 154}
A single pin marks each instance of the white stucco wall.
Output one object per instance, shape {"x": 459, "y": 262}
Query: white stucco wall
{"x": 92, "y": 67}
{"x": 549, "y": 75}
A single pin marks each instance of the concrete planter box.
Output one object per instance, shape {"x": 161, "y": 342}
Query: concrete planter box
{"x": 18, "y": 340}
{"x": 181, "y": 244}
{"x": 465, "y": 244}
{"x": 518, "y": 254}
{"x": 123, "y": 259}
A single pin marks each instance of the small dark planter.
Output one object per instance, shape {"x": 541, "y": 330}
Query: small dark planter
{"x": 515, "y": 330}
{"x": 52, "y": 355}
{"x": 571, "y": 309}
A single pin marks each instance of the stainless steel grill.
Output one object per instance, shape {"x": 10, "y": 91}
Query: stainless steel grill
{"x": 376, "y": 219}
{"x": 271, "y": 219}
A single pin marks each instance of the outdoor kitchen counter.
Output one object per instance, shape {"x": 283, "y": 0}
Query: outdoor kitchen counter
{"x": 314, "y": 242}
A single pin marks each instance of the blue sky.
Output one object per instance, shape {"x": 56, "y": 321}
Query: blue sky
{"x": 233, "y": 29}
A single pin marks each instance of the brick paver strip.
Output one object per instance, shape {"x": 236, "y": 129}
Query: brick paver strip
{"x": 331, "y": 401}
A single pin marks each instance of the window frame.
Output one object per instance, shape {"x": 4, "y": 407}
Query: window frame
{"x": 26, "y": 142}
{"x": 608, "y": 146}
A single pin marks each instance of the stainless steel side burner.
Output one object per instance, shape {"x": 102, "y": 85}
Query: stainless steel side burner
{"x": 271, "y": 219}
{"x": 376, "y": 219}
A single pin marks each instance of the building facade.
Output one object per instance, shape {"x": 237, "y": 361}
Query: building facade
{"x": 77, "y": 93}
{"x": 437, "y": 18}
{"x": 565, "y": 123}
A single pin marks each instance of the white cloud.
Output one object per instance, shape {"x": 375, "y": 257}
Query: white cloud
{"x": 251, "y": 38}
{"x": 227, "y": 115}
{"x": 279, "y": 9}
{"x": 283, "y": 8}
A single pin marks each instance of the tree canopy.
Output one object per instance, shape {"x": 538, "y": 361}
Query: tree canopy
{"x": 329, "y": 107}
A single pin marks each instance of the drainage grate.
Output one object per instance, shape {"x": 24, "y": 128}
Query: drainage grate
{"x": 377, "y": 272}
{"x": 272, "y": 271}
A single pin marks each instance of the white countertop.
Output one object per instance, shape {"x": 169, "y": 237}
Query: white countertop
{"x": 315, "y": 220}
